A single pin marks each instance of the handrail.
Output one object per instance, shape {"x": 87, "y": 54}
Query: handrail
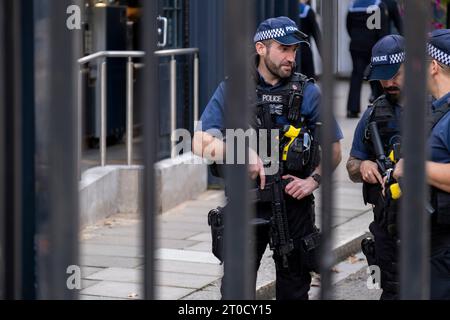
{"x": 176, "y": 52}
{"x": 130, "y": 67}
{"x": 173, "y": 90}
{"x": 111, "y": 54}
{"x": 103, "y": 103}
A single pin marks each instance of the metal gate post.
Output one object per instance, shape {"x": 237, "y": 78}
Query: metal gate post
{"x": 414, "y": 249}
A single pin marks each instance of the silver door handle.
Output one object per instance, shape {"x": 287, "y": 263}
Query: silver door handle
{"x": 162, "y": 31}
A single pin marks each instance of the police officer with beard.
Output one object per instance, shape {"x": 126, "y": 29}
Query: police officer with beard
{"x": 388, "y": 56}
{"x": 438, "y": 166}
{"x": 276, "y": 43}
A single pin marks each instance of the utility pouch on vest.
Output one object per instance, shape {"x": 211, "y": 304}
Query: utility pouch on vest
{"x": 371, "y": 193}
{"x": 310, "y": 245}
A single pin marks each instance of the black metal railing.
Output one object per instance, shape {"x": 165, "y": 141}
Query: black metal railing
{"x": 39, "y": 184}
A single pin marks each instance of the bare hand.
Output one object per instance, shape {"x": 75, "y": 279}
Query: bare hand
{"x": 256, "y": 167}
{"x": 369, "y": 172}
{"x": 398, "y": 171}
{"x": 300, "y": 188}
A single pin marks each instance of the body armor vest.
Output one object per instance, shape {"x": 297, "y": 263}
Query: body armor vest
{"x": 384, "y": 114}
{"x": 440, "y": 200}
{"x": 295, "y": 139}
{"x": 285, "y": 101}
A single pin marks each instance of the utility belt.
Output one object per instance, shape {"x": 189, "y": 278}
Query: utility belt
{"x": 309, "y": 244}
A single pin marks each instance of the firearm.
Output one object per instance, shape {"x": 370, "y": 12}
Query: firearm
{"x": 280, "y": 239}
{"x": 386, "y": 164}
{"x": 393, "y": 189}
{"x": 298, "y": 151}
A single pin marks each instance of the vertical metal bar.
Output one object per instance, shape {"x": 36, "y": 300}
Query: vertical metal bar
{"x": 327, "y": 117}
{"x": 27, "y": 153}
{"x": 271, "y": 10}
{"x": 62, "y": 208}
{"x": 173, "y": 103}
{"x": 196, "y": 86}
{"x": 149, "y": 103}
{"x": 16, "y": 156}
{"x": 103, "y": 105}
{"x": 239, "y": 265}
{"x": 3, "y": 155}
{"x": 80, "y": 122}
{"x": 13, "y": 144}
{"x": 130, "y": 97}
{"x": 414, "y": 253}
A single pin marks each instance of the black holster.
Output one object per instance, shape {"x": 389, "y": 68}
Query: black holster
{"x": 371, "y": 193}
{"x": 215, "y": 221}
{"x": 368, "y": 248}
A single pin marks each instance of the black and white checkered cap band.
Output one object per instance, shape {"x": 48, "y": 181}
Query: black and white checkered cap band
{"x": 270, "y": 34}
{"x": 438, "y": 54}
{"x": 389, "y": 59}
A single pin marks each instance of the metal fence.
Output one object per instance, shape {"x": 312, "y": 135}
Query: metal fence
{"x": 47, "y": 205}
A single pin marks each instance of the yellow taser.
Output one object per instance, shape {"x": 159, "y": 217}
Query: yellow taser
{"x": 291, "y": 133}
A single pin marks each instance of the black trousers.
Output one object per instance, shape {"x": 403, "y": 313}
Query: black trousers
{"x": 293, "y": 282}
{"x": 360, "y": 62}
{"x": 440, "y": 273}
{"x": 386, "y": 255}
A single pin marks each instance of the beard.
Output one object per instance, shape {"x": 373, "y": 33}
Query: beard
{"x": 278, "y": 70}
{"x": 393, "y": 94}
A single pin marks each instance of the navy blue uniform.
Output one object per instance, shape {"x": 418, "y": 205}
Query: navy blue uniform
{"x": 393, "y": 15}
{"x": 213, "y": 122}
{"x": 308, "y": 25}
{"x": 362, "y": 39}
{"x": 386, "y": 250}
{"x": 438, "y": 48}
{"x": 439, "y": 150}
{"x": 292, "y": 283}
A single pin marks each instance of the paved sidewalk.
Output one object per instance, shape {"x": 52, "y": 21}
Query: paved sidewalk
{"x": 111, "y": 252}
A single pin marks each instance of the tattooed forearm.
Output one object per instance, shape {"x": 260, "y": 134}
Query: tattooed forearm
{"x": 353, "y": 166}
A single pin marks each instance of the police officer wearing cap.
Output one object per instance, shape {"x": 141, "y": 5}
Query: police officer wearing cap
{"x": 362, "y": 39}
{"x": 438, "y": 166}
{"x": 276, "y": 43}
{"x": 388, "y": 55}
